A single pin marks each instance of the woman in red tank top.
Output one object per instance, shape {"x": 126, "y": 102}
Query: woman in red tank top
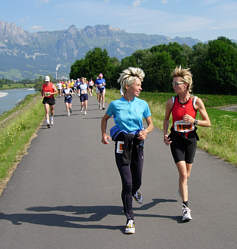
{"x": 48, "y": 91}
{"x": 183, "y": 137}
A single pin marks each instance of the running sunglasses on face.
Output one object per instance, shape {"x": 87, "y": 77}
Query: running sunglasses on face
{"x": 176, "y": 83}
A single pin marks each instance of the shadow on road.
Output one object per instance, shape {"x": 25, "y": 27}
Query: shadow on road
{"x": 97, "y": 213}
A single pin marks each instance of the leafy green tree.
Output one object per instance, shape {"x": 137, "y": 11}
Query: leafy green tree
{"x": 215, "y": 71}
{"x": 158, "y": 67}
{"x": 96, "y": 61}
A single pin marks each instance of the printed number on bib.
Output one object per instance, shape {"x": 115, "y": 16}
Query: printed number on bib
{"x": 182, "y": 126}
{"x": 47, "y": 94}
{"x": 120, "y": 148}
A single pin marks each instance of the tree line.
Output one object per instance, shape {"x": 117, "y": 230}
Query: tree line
{"x": 213, "y": 65}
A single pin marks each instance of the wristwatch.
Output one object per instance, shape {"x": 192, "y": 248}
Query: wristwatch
{"x": 195, "y": 122}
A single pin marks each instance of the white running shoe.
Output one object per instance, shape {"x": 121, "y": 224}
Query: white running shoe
{"x": 85, "y": 112}
{"x": 48, "y": 124}
{"x": 186, "y": 211}
{"x": 138, "y": 197}
{"x": 68, "y": 114}
{"x": 51, "y": 120}
{"x": 130, "y": 227}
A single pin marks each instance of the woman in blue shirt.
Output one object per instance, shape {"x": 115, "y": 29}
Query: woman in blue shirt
{"x": 129, "y": 135}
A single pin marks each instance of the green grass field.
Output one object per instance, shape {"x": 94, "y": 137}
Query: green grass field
{"x": 16, "y": 129}
{"x": 220, "y": 139}
{"x": 16, "y": 85}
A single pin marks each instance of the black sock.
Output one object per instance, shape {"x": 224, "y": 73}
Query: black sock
{"x": 185, "y": 203}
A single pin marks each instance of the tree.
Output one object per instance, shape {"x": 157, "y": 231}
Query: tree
{"x": 158, "y": 67}
{"x": 216, "y": 70}
{"x": 95, "y": 62}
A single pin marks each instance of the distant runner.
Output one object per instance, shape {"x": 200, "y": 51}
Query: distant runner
{"x": 48, "y": 91}
{"x": 100, "y": 88}
{"x": 91, "y": 84}
{"x": 84, "y": 95}
{"x": 68, "y": 92}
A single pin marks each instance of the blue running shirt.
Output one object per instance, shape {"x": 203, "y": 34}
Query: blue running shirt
{"x": 129, "y": 115}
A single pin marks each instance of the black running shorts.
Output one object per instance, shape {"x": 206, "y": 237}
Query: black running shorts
{"x": 183, "y": 149}
{"x": 50, "y": 101}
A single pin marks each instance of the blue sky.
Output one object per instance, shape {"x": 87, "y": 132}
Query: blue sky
{"x": 201, "y": 19}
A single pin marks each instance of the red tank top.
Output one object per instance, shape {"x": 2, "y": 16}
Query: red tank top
{"x": 48, "y": 88}
{"x": 179, "y": 109}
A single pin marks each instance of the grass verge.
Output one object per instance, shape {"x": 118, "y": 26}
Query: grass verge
{"x": 17, "y": 128}
{"x": 220, "y": 139}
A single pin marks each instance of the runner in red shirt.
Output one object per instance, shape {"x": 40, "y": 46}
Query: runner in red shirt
{"x": 48, "y": 91}
{"x": 183, "y": 137}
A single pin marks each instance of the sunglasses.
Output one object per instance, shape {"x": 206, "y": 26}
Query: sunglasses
{"x": 176, "y": 83}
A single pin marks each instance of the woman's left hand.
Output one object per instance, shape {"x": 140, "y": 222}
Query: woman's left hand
{"x": 142, "y": 134}
{"x": 188, "y": 119}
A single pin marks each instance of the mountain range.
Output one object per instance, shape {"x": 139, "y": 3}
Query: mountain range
{"x": 30, "y": 55}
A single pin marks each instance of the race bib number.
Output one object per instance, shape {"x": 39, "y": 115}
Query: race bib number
{"x": 47, "y": 94}
{"x": 120, "y": 147}
{"x": 181, "y": 126}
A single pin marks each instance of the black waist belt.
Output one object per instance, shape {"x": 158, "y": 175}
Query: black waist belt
{"x": 185, "y": 135}
{"x": 130, "y": 141}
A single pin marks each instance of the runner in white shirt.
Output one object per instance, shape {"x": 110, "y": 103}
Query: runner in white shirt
{"x": 84, "y": 95}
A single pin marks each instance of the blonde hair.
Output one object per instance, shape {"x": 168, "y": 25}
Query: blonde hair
{"x": 185, "y": 74}
{"x": 128, "y": 77}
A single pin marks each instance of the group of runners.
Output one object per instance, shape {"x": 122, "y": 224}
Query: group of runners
{"x": 80, "y": 87}
{"x": 129, "y": 132}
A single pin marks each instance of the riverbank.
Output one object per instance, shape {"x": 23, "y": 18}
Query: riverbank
{"x": 17, "y": 128}
{"x": 11, "y": 97}
{"x": 2, "y": 94}
{"x": 16, "y": 86}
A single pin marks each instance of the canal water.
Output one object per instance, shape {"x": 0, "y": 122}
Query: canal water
{"x": 10, "y": 98}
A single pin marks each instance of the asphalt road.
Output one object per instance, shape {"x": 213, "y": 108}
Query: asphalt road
{"x": 65, "y": 194}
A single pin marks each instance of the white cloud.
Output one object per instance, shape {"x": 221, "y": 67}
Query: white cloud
{"x": 44, "y": 1}
{"x": 37, "y": 28}
{"x": 137, "y": 3}
{"x": 150, "y": 21}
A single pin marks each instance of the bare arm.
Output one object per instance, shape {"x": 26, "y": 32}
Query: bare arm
{"x": 168, "y": 110}
{"x": 55, "y": 90}
{"x": 143, "y": 133}
{"x": 105, "y": 137}
{"x": 205, "y": 122}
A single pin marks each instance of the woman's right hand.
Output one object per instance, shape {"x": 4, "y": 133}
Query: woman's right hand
{"x": 105, "y": 139}
{"x": 167, "y": 140}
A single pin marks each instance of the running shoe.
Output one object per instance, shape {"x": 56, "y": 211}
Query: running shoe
{"x": 85, "y": 112}
{"x": 48, "y": 123}
{"x": 130, "y": 227}
{"x": 68, "y": 114}
{"x": 138, "y": 197}
{"x": 51, "y": 120}
{"x": 103, "y": 108}
{"x": 186, "y": 211}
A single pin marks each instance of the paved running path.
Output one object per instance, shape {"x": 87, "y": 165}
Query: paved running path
{"x": 65, "y": 194}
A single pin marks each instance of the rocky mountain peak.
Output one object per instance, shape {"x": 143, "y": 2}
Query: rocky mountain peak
{"x": 13, "y": 33}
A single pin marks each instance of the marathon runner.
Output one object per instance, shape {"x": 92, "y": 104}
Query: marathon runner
{"x": 48, "y": 91}
{"x": 183, "y": 137}
{"x": 129, "y": 135}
